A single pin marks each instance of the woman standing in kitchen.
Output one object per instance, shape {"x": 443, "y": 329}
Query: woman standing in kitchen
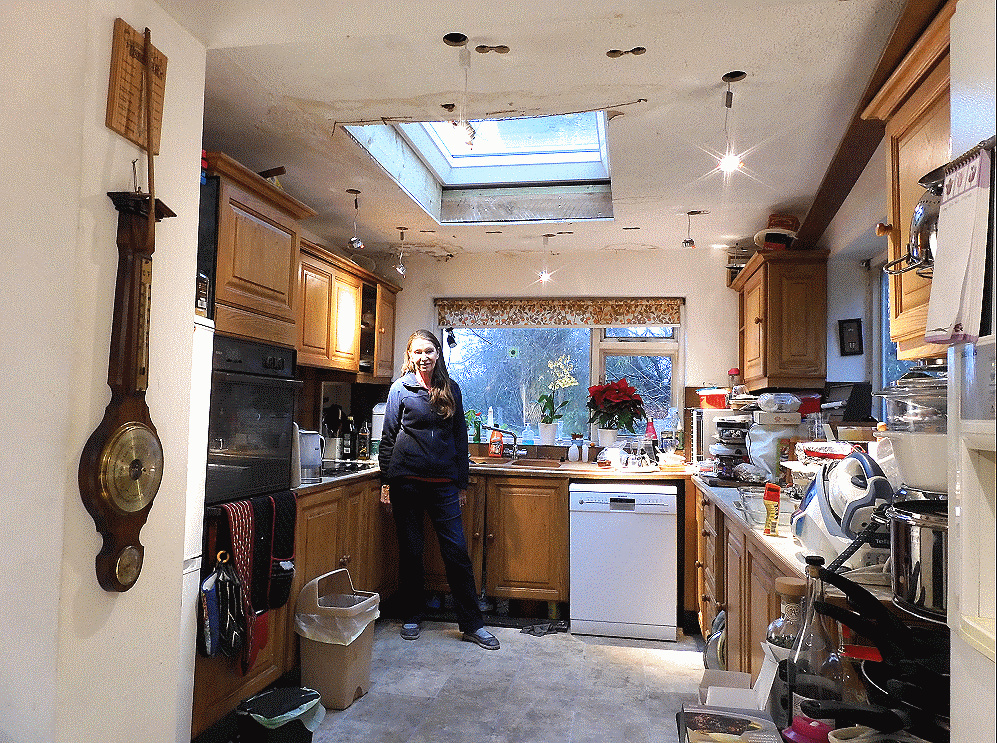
{"x": 424, "y": 469}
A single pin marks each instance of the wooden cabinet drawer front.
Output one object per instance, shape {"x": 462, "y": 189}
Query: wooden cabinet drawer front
{"x": 256, "y": 256}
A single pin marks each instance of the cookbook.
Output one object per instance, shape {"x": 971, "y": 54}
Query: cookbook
{"x": 701, "y": 724}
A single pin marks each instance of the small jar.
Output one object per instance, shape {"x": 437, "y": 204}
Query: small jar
{"x": 574, "y": 453}
{"x": 782, "y": 631}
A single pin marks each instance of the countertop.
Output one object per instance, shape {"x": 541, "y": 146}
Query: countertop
{"x": 503, "y": 467}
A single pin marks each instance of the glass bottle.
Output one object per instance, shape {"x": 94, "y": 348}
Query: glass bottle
{"x": 349, "y": 435}
{"x": 477, "y": 428}
{"x": 363, "y": 442}
{"x": 783, "y": 630}
{"x": 813, "y": 669}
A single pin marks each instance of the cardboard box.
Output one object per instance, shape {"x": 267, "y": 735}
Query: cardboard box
{"x": 702, "y": 724}
{"x": 777, "y": 419}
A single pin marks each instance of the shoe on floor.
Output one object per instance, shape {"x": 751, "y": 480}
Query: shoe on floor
{"x": 411, "y": 631}
{"x": 484, "y": 638}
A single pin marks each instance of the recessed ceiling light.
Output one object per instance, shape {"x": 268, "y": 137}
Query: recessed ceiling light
{"x": 455, "y": 39}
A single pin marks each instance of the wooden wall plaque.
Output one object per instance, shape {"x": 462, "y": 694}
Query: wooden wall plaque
{"x": 126, "y": 108}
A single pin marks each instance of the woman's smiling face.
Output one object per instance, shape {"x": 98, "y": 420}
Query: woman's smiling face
{"x": 422, "y": 354}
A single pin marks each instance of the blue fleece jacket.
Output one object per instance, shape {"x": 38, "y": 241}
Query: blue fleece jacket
{"x": 416, "y": 441}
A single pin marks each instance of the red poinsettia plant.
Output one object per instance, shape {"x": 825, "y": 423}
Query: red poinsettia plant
{"x": 615, "y": 405}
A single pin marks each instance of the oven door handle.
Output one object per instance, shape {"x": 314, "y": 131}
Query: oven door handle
{"x": 237, "y": 377}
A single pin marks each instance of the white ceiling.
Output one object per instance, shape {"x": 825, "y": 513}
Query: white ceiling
{"x": 283, "y": 76}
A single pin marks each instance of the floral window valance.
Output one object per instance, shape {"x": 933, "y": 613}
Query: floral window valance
{"x": 558, "y": 313}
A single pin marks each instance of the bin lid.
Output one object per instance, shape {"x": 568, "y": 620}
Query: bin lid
{"x": 276, "y": 703}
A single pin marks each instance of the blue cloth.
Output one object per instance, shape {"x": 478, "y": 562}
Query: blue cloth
{"x": 410, "y": 501}
{"x": 416, "y": 441}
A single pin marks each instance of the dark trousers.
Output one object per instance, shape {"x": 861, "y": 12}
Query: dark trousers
{"x": 410, "y": 499}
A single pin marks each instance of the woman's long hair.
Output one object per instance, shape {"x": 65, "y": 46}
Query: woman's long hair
{"x": 440, "y": 394}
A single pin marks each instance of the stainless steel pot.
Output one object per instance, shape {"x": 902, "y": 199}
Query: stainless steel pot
{"x": 919, "y": 551}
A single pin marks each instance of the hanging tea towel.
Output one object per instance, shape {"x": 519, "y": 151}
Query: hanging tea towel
{"x": 956, "y": 302}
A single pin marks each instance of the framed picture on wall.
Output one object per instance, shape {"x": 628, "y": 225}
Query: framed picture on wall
{"x": 850, "y": 336}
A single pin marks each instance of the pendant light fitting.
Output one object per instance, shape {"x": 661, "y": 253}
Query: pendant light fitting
{"x": 355, "y": 242}
{"x": 689, "y": 242}
{"x": 400, "y": 267}
{"x": 730, "y": 160}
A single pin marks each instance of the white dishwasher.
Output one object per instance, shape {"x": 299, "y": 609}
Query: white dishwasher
{"x": 624, "y": 560}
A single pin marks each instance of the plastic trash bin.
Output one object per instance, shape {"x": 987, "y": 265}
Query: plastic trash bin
{"x": 336, "y": 625}
{"x": 286, "y": 715}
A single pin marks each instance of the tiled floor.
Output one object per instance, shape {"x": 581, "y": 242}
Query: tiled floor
{"x": 557, "y": 687}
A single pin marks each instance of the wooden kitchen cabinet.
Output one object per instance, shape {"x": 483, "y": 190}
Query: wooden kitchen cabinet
{"x": 257, "y": 248}
{"x": 709, "y": 562}
{"x": 474, "y": 532}
{"x": 329, "y": 314}
{"x": 737, "y": 573}
{"x": 526, "y": 538}
{"x": 783, "y": 319}
{"x": 914, "y": 103}
{"x": 384, "y": 338}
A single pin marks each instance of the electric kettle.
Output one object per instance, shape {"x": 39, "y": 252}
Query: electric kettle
{"x": 311, "y": 447}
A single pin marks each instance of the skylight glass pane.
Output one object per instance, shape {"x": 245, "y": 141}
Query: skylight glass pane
{"x": 546, "y": 139}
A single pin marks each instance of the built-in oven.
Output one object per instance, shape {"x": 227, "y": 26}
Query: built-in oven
{"x": 250, "y": 419}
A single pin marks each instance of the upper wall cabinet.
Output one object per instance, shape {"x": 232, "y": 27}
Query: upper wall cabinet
{"x": 329, "y": 314}
{"x": 783, "y": 319}
{"x": 914, "y": 103}
{"x": 346, "y": 315}
{"x": 256, "y": 272}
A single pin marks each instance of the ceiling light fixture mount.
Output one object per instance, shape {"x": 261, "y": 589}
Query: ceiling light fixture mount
{"x": 616, "y": 53}
{"x": 455, "y": 39}
{"x": 400, "y": 266}
{"x": 355, "y": 242}
{"x": 484, "y": 49}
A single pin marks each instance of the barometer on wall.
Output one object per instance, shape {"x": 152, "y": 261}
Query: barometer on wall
{"x": 121, "y": 467}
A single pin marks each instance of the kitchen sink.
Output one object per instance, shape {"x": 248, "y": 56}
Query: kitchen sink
{"x": 490, "y": 460}
{"x": 535, "y": 463}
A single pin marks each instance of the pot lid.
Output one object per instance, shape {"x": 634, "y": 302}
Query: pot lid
{"x": 919, "y": 381}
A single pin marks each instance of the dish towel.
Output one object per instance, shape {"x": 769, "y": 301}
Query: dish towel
{"x": 956, "y": 302}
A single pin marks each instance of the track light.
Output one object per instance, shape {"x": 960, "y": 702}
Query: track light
{"x": 451, "y": 339}
{"x": 689, "y": 242}
{"x": 355, "y": 242}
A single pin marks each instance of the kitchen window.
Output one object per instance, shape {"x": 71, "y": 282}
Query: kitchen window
{"x": 507, "y": 368}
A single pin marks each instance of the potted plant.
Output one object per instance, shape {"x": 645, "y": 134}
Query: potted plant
{"x": 550, "y": 409}
{"x": 615, "y": 405}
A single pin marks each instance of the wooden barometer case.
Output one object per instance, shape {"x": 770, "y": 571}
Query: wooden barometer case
{"x": 121, "y": 466}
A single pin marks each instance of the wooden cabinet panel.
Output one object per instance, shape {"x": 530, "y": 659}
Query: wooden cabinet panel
{"x": 527, "y": 538}
{"x": 384, "y": 339}
{"x": 753, "y": 327}
{"x": 329, "y": 314}
{"x": 256, "y": 271}
{"x": 734, "y": 601}
{"x": 919, "y": 142}
{"x": 783, "y": 319}
{"x": 761, "y": 605}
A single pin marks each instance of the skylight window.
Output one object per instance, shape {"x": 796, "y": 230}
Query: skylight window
{"x": 548, "y": 149}
{"x": 540, "y": 169}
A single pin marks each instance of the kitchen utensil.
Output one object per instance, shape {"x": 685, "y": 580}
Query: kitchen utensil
{"x": 923, "y": 229}
{"x": 917, "y": 402}
{"x": 919, "y": 551}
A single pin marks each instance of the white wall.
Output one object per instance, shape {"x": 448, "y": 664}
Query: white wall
{"x": 698, "y": 275}
{"x": 81, "y": 664}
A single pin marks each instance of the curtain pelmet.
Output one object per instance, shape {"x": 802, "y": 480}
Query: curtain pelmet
{"x": 558, "y": 313}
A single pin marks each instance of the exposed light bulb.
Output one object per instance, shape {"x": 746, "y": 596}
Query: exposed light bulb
{"x": 730, "y": 163}
{"x": 545, "y": 276}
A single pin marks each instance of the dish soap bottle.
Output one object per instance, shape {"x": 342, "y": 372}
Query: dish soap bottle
{"x": 574, "y": 454}
{"x": 495, "y": 444}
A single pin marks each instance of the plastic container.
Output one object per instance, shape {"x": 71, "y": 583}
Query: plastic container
{"x": 285, "y": 715}
{"x": 336, "y": 625}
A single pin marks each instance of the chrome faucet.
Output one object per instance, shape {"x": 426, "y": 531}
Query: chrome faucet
{"x": 515, "y": 437}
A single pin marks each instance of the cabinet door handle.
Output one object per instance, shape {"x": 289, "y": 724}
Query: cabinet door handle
{"x": 705, "y": 599}
{"x": 758, "y": 321}
{"x": 883, "y": 229}
{"x": 490, "y": 537}
{"x": 476, "y": 535}
{"x": 699, "y": 564}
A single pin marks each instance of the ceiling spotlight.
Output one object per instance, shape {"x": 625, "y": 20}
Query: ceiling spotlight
{"x": 355, "y": 242}
{"x": 544, "y": 275}
{"x": 451, "y": 339}
{"x": 730, "y": 162}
